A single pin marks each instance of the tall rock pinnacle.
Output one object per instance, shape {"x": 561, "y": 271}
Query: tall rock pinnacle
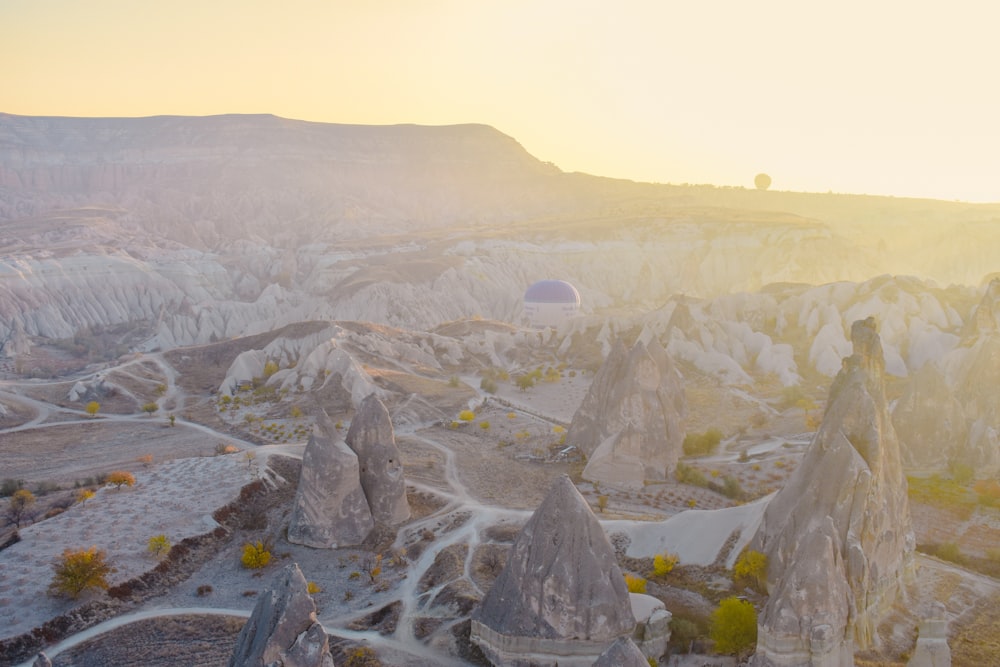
{"x": 630, "y": 424}
{"x": 561, "y": 594}
{"x": 282, "y": 631}
{"x": 371, "y": 437}
{"x": 330, "y": 508}
{"x": 838, "y": 535}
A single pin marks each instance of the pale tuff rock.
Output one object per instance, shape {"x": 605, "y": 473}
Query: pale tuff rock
{"x": 630, "y": 425}
{"x": 652, "y": 625}
{"x": 330, "y": 508}
{"x": 371, "y": 437}
{"x": 838, "y": 535}
{"x": 932, "y": 648}
{"x": 282, "y": 631}
{"x": 622, "y": 653}
{"x": 977, "y": 387}
{"x": 42, "y": 661}
{"x": 561, "y": 598}
{"x": 929, "y": 421}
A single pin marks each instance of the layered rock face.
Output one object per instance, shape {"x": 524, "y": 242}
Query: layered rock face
{"x": 282, "y": 631}
{"x": 838, "y": 535}
{"x": 330, "y": 508}
{"x": 929, "y": 421}
{"x": 372, "y": 439}
{"x": 630, "y": 425}
{"x": 561, "y": 598}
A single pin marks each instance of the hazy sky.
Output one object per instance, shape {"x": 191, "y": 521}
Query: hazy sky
{"x": 873, "y": 96}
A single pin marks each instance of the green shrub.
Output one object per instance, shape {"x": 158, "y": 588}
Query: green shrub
{"x": 663, "y": 564}
{"x": 702, "y": 444}
{"x": 750, "y": 569}
{"x": 158, "y": 545}
{"x": 635, "y": 584}
{"x": 686, "y": 474}
{"x": 79, "y": 570}
{"x": 488, "y": 385}
{"x": 734, "y": 627}
{"x": 255, "y": 556}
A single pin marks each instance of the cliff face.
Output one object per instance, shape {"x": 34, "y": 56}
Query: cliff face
{"x": 630, "y": 425}
{"x": 838, "y": 535}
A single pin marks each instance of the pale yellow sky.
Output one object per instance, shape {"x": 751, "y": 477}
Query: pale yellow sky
{"x": 873, "y": 96}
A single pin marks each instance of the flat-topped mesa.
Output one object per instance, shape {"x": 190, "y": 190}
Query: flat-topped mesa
{"x": 561, "y": 598}
{"x": 330, "y": 508}
{"x": 371, "y": 437}
{"x": 838, "y": 535}
{"x": 630, "y": 424}
{"x": 283, "y": 631}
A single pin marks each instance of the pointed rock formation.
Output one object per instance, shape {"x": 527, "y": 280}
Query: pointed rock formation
{"x": 929, "y": 421}
{"x": 330, "y": 508}
{"x": 622, "y": 653}
{"x": 42, "y": 661}
{"x": 630, "y": 425}
{"x": 838, "y": 535}
{"x": 371, "y": 437}
{"x": 282, "y": 631}
{"x": 561, "y": 598}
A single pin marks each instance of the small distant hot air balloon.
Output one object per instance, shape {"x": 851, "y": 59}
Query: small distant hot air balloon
{"x": 762, "y": 181}
{"x": 549, "y": 303}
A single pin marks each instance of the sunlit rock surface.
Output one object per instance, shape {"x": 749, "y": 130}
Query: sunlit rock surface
{"x": 371, "y": 437}
{"x": 630, "y": 425}
{"x": 838, "y": 535}
{"x": 330, "y": 509}
{"x": 561, "y": 598}
{"x": 282, "y": 631}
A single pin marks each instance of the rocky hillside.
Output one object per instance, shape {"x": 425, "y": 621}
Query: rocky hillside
{"x": 169, "y": 231}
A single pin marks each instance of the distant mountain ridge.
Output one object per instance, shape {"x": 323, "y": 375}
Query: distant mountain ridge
{"x": 191, "y": 229}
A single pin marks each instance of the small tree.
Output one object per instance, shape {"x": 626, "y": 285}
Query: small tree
{"x": 172, "y": 419}
{"x": 150, "y": 408}
{"x": 663, "y": 564}
{"x": 92, "y": 408}
{"x": 83, "y": 495}
{"x": 762, "y": 181}
{"x": 525, "y": 382}
{"x": 120, "y": 478}
{"x": 734, "y": 627}
{"x": 751, "y": 569}
{"x": 20, "y": 506}
{"x": 79, "y": 570}
{"x": 270, "y": 368}
{"x": 602, "y": 502}
{"x": 635, "y": 584}
{"x": 158, "y": 545}
{"x": 466, "y": 415}
{"x": 255, "y": 556}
